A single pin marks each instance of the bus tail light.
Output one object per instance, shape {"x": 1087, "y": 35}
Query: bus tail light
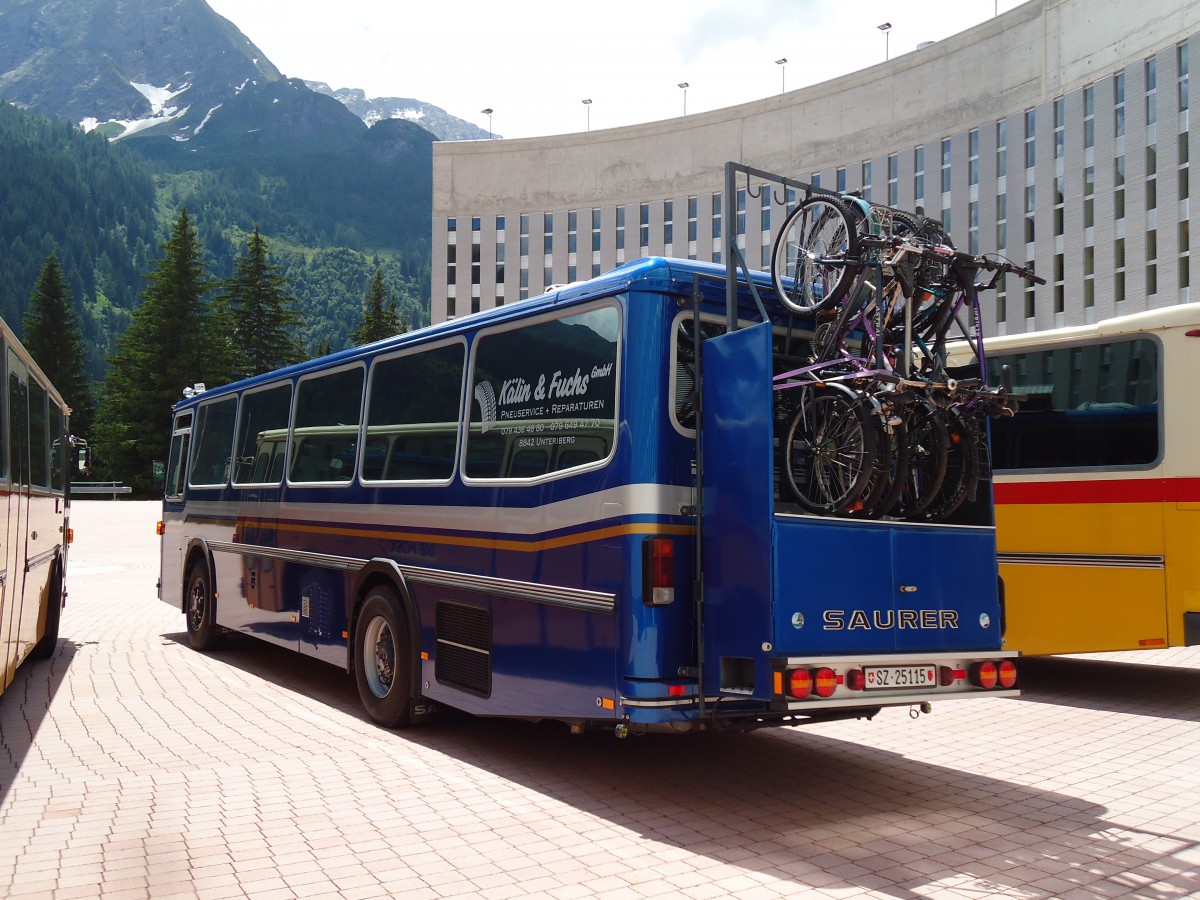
{"x": 856, "y": 680}
{"x": 800, "y": 684}
{"x": 824, "y": 682}
{"x": 984, "y": 675}
{"x": 1006, "y": 673}
{"x": 658, "y": 571}
{"x": 160, "y": 530}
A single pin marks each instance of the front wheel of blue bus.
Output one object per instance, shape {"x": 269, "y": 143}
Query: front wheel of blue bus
{"x": 201, "y": 609}
{"x": 382, "y": 663}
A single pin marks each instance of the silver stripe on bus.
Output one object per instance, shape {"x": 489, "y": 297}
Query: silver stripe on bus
{"x": 442, "y": 642}
{"x": 44, "y": 556}
{"x": 575, "y": 598}
{"x": 1096, "y": 560}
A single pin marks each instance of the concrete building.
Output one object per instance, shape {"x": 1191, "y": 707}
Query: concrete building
{"x": 1056, "y": 134}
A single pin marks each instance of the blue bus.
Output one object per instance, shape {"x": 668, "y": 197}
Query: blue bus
{"x": 558, "y": 509}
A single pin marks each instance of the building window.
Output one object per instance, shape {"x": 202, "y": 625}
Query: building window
{"x": 452, "y": 224}
{"x": 1059, "y": 127}
{"x": 1119, "y": 270}
{"x": 1089, "y": 116}
{"x": 1182, "y": 64}
{"x": 866, "y": 181}
{"x": 1089, "y": 197}
{"x": 595, "y": 231}
{"x": 973, "y": 156}
{"x": 1059, "y": 291}
{"x": 1089, "y": 276}
{"x": 1119, "y": 187}
{"x": 741, "y": 212}
{"x": 668, "y": 223}
{"x": 1058, "y": 205}
{"x": 973, "y": 226}
{"x": 893, "y": 174}
{"x": 946, "y": 166}
{"x": 525, "y": 238}
{"x": 1001, "y": 222}
{"x": 693, "y": 210}
{"x": 1151, "y": 91}
{"x": 548, "y": 233}
{"x": 1030, "y": 136}
{"x": 841, "y": 180}
{"x": 1119, "y": 104}
{"x": 644, "y": 227}
{"x": 1002, "y": 148}
{"x": 919, "y": 175}
{"x": 620, "y": 233}
{"x": 1030, "y": 198}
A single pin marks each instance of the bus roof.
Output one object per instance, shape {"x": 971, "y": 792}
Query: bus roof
{"x": 1135, "y": 323}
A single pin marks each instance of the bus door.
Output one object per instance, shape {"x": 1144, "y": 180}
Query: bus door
{"x": 17, "y": 396}
{"x": 736, "y": 468}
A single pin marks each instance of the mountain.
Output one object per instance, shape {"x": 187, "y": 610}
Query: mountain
{"x": 432, "y": 118}
{"x": 218, "y": 130}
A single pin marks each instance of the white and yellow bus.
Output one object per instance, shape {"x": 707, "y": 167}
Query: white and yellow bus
{"x": 1097, "y": 484}
{"x": 34, "y": 449}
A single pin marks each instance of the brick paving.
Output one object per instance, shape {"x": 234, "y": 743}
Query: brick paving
{"x": 131, "y": 766}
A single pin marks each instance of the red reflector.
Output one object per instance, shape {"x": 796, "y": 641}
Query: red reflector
{"x": 676, "y": 690}
{"x": 1006, "y": 673}
{"x": 856, "y": 680}
{"x": 824, "y": 682}
{"x": 984, "y": 675}
{"x": 800, "y": 683}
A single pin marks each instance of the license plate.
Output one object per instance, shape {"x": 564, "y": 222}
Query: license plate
{"x": 891, "y": 677}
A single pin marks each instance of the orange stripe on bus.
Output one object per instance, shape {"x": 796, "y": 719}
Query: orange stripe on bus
{"x": 486, "y": 543}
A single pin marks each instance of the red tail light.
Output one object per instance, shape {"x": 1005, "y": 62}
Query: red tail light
{"x": 984, "y": 675}
{"x": 800, "y": 683}
{"x": 856, "y": 680}
{"x": 824, "y": 682}
{"x": 658, "y": 571}
{"x": 1006, "y": 673}
{"x": 947, "y": 675}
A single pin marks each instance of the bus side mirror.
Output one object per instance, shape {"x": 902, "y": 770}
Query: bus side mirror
{"x": 83, "y": 457}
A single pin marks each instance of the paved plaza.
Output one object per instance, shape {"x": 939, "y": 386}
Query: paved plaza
{"x": 132, "y": 766}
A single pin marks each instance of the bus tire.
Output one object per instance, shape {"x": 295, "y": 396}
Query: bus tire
{"x": 200, "y": 608}
{"x": 44, "y": 649}
{"x": 382, "y": 659}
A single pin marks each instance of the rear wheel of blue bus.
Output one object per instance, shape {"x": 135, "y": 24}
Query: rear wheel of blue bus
{"x": 382, "y": 664}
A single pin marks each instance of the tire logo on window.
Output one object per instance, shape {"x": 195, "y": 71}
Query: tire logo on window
{"x": 485, "y": 396}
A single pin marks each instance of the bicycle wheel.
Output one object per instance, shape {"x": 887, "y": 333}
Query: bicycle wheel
{"x": 962, "y": 470}
{"x": 928, "y": 441}
{"x": 819, "y": 228}
{"x": 829, "y": 451}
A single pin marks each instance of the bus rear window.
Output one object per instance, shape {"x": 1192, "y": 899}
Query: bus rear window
{"x": 543, "y": 397}
{"x": 1082, "y": 406}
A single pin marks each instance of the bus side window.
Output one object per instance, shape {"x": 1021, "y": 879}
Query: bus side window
{"x": 528, "y": 463}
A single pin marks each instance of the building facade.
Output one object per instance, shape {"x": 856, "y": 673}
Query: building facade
{"x": 1056, "y": 134}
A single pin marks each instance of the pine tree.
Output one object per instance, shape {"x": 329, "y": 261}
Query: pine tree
{"x": 381, "y": 318}
{"x": 261, "y": 312}
{"x": 54, "y": 337}
{"x": 171, "y": 344}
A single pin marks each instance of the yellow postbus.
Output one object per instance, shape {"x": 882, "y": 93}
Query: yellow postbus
{"x": 1097, "y": 484}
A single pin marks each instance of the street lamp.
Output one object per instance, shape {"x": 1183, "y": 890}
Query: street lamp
{"x": 885, "y": 28}
{"x": 588, "y": 104}
{"x": 488, "y": 112}
{"x": 683, "y": 86}
{"x": 782, "y": 63}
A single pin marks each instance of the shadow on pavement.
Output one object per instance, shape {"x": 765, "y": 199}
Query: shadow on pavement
{"x": 25, "y": 704}
{"x": 1128, "y": 687}
{"x": 800, "y": 806}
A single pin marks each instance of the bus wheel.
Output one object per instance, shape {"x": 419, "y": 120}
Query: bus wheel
{"x": 201, "y": 609}
{"x": 44, "y": 649}
{"x": 382, "y": 666}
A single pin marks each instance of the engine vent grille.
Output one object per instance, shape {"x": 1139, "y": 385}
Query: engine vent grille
{"x": 464, "y": 648}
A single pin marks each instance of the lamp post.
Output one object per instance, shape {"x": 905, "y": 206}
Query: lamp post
{"x": 782, "y": 63}
{"x": 588, "y": 104}
{"x": 683, "y": 86}
{"x": 885, "y": 28}
{"x": 488, "y": 112}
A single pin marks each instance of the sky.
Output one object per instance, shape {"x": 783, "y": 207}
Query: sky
{"x": 534, "y": 62}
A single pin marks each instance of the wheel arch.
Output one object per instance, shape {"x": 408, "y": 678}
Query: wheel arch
{"x": 196, "y": 551}
{"x": 385, "y": 573}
